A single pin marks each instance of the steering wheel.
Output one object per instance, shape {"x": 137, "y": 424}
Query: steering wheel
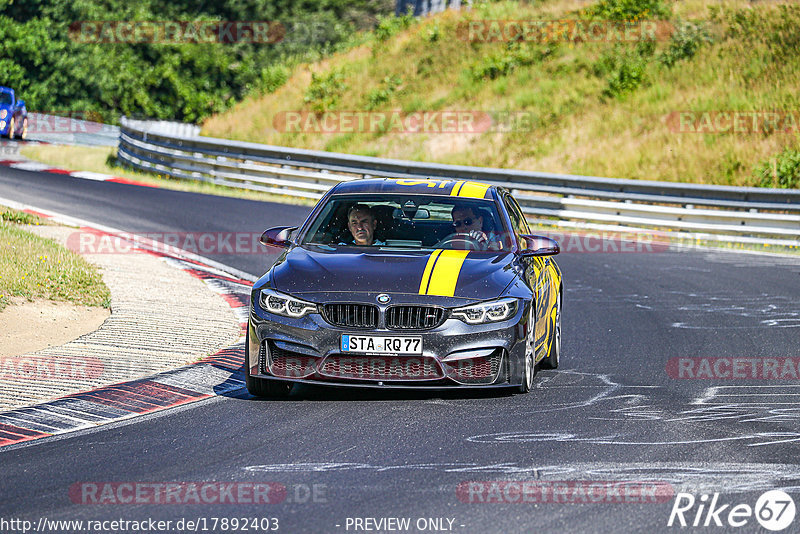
{"x": 469, "y": 242}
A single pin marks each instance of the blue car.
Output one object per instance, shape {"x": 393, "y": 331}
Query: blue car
{"x": 13, "y": 115}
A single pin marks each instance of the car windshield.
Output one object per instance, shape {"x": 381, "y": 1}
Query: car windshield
{"x": 6, "y": 99}
{"x": 408, "y": 221}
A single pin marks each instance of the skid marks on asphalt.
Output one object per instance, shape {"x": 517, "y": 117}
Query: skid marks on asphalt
{"x": 634, "y": 414}
{"x": 694, "y": 477}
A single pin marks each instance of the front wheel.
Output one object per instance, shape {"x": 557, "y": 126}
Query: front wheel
{"x": 554, "y": 351}
{"x": 529, "y": 369}
{"x": 261, "y": 387}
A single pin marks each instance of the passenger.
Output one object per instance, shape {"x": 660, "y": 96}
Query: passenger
{"x": 362, "y": 223}
{"x": 467, "y": 221}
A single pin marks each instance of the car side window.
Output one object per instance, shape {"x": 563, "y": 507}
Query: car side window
{"x": 518, "y": 221}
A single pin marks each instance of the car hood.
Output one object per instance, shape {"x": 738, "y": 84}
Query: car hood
{"x": 448, "y": 274}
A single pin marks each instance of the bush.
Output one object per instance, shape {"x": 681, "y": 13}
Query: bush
{"x": 628, "y": 10}
{"x": 324, "y": 91}
{"x": 390, "y": 26}
{"x": 628, "y": 76}
{"x": 624, "y": 69}
{"x": 685, "y": 42}
{"x": 433, "y": 32}
{"x": 273, "y": 77}
{"x": 493, "y": 66}
{"x": 384, "y": 93}
{"x": 782, "y": 171}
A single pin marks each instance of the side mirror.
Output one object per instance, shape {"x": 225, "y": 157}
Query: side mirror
{"x": 20, "y": 103}
{"x": 278, "y": 236}
{"x": 539, "y": 245}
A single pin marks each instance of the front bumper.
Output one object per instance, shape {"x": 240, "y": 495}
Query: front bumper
{"x": 308, "y": 350}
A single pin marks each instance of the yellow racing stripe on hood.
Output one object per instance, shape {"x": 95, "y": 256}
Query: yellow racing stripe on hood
{"x": 426, "y": 274}
{"x": 445, "y": 271}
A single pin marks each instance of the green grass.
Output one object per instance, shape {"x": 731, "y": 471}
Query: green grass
{"x": 600, "y": 108}
{"x": 33, "y": 267}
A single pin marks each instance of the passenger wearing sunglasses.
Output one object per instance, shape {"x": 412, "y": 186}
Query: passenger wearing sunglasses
{"x": 466, "y": 221}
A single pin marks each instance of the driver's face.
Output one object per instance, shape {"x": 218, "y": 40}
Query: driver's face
{"x": 362, "y": 226}
{"x": 465, "y": 221}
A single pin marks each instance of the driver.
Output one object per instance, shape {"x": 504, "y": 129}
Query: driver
{"x": 362, "y": 223}
{"x": 466, "y": 221}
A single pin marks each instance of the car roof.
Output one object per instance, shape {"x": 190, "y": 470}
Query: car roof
{"x": 430, "y": 186}
{"x": 6, "y": 89}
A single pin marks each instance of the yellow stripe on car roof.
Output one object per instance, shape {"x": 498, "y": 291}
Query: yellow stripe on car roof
{"x": 473, "y": 190}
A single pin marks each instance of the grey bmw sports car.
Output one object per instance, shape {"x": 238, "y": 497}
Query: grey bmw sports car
{"x": 394, "y": 283}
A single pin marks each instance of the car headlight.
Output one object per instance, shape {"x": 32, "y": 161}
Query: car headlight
{"x": 487, "y": 312}
{"x": 281, "y": 304}
{"x": 2, "y": 124}
{"x": 3, "y": 113}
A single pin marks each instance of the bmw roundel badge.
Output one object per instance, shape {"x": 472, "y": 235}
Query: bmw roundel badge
{"x": 383, "y": 298}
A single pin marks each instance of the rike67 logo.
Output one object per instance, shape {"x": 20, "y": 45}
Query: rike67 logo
{"x": 774, "y": 510}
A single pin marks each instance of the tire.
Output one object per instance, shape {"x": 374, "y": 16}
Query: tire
{"x": 260, "y": 387}
{"x": 11, "y": 126}
{"x": 554, "y": 351}
{"x": 529, "y": 364}
{"x": 24, "y": 134}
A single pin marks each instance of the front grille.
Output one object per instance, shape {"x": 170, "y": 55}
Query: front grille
{"x": 483, "y": 370}
{"x": 351, "y": 315}
{"x": 381, "y": 367}
{"x": 414, "y": 317}
{"x": 288, "y": 364}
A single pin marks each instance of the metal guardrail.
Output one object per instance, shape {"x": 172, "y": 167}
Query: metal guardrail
{"x": 736, "y": 214}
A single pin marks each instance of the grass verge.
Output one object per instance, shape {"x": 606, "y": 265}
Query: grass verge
{"x": 586, "y": 107}
{"x": 33, "y": 267}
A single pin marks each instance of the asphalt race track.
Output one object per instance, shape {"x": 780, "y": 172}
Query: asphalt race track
{"x": 611, "y": 413}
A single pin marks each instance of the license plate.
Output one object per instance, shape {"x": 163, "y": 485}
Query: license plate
{"x": 381, "y": 344}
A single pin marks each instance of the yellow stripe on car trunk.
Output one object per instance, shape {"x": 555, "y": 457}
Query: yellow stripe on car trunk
{"x": 444, "y": 272}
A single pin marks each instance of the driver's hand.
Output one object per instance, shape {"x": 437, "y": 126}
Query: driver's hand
{"x": 479, "y": 236}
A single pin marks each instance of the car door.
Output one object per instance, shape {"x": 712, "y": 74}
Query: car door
{"x": 535, "y": 272}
